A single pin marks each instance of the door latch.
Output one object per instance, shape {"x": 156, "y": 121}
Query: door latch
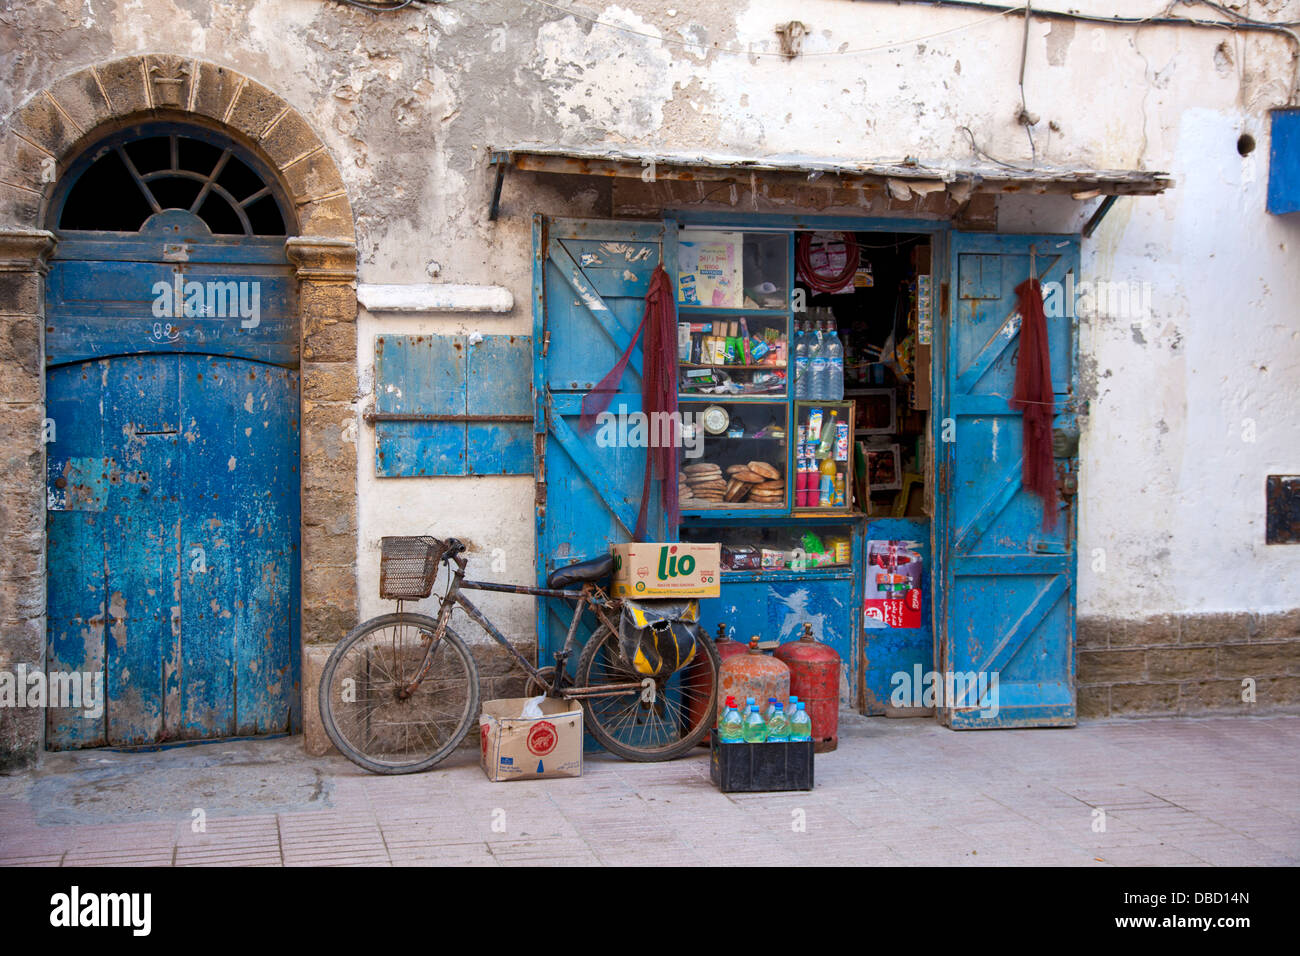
{"x": 1065, "y": 441}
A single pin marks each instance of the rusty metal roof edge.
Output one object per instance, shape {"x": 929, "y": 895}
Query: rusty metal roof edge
{"x": 946, "y": 172}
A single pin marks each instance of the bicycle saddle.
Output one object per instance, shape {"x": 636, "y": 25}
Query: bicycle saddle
{"x": 581, "y": 572}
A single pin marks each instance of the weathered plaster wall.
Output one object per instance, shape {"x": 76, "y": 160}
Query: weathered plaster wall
{"x": 407, "y": 103}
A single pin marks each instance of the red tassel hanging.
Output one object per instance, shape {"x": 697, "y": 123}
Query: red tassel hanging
{"x": 1033, "y": 397}
{"x": 658, "y": 395}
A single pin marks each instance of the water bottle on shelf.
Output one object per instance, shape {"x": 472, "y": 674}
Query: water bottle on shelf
{"x": 801, "y": 361}
{"x": 770, "y": 710}
{"x": 817, "y": 366}
{"x": 731, "y": 729}
{"x": 778, "y": 728}
{"x": 834, "y": 367}
{"x": 755, "y": 727}
{"x": 800, "y": 724}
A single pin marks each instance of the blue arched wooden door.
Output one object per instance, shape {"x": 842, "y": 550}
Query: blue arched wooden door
{"x": 172, "y": 444}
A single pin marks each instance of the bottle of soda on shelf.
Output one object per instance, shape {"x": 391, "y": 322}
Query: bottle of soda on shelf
{"x": 778, "y": 727}
{"x": 731, "y": 729}
{"x": 826, "y": 490}
{"x": 817, "y": 383}
{"x": 826, "y": 440}
{"x": 800, "y": 724}
{"x": 834, "y": 367}
{"x": 755, "y": 730}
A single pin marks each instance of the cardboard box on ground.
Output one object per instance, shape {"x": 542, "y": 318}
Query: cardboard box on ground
{"x": 524, "y": 748}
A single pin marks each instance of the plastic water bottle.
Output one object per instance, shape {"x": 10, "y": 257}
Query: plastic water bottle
{"x": 731, "y": 729}
{"x": 755, "y": 728}
{"x": 801, "y": 361}
{"x": 834, "y": 367}
{"x": 771, "y": 709}
{"x": 800, "y": 725}
{"x": 817, "y": 384}
{"x": 778, "y": 728}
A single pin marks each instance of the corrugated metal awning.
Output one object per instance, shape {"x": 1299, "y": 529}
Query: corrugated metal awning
{"x": 902, "y": 180}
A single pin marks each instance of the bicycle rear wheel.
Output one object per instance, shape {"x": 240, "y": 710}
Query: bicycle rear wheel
{"x": 361, "y": 702}
{"x": 681, "y": 712}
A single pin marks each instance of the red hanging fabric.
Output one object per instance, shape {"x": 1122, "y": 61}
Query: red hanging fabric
{"x": 1033, "y": 397}
{"x": 658, "y": 396}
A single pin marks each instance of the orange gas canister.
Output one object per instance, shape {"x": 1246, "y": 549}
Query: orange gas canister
{"x": 815, "y": 680}
{"x": 755, "y": 675}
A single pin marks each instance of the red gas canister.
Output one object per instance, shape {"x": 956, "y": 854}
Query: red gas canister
{"x": 726, "y": 646}
{"x": 815, "y": 680}
{"x": 753, "y": 674}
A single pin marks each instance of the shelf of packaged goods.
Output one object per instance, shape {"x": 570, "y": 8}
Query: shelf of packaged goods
{"x": 734, "y": 509}
{"x": 826, "y": 572}
{"x": 726, "y": 399}
{"x": 731, "y": 368}
{"x": 732, "y": 313}
{"x": 717, "y": 399}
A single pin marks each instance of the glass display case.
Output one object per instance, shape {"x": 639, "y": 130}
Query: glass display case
{"x": 823, "y": 456}
{"x": 788, "y": 548}
{"x": 722, "y": 355}
{"x": 734, "y": 455}
{"x": 733, "y": 270}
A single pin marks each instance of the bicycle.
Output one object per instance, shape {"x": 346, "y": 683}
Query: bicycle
{"x": 392, "y": 701}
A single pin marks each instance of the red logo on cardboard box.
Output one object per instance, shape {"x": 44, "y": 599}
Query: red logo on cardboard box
{"x": 483, "y": 730}
{"x": 542, "y": 738}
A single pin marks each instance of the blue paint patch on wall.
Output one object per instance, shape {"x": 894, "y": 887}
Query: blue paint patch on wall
{"x": 1284, "y": 162}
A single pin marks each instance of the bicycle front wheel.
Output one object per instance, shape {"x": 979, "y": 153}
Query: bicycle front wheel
{"x": 651, "y": 723}
{"x": 368, "y": 709}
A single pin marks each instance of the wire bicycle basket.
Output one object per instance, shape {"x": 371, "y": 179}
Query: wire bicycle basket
{"x": 408, "y": 566}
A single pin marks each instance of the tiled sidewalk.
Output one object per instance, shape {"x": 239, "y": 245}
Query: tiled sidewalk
{"x": 1210, "y": 791}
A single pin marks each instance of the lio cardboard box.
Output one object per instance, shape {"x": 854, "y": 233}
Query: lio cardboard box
{"x": 529, "y": 748}
{"x": 672, "y": 570}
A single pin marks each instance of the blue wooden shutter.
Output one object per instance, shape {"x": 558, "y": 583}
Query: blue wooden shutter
{"x": 1005, "y": 599}
{"x": 453, "y": 378}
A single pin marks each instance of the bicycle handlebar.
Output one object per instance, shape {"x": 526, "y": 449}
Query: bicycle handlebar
{"x": 455, "y": 548}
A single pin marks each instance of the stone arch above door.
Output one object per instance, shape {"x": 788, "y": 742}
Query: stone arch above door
{"x": 48, "y": 129}
{"x": 38, "y": 141}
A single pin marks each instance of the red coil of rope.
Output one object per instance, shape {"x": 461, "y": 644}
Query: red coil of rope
{"x": 821, "y": 282}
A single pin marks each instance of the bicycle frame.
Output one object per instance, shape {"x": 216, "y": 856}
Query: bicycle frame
{"x": 590, "y": 596}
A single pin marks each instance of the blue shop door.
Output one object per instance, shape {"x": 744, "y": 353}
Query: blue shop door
{"x": 590, "y": 280}
{"x": 1006, "y": 602}
{"x": 172, "y": 489}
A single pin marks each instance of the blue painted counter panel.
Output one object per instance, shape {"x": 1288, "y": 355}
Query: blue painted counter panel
{"x": 887, "y": 651}
{"x": 775, "y": 606}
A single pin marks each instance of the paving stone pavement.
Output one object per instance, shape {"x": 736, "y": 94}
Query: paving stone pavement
{"x": 1221, "y": 791}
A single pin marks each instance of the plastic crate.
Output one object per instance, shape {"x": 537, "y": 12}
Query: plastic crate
{"x": 758, "y": 768}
